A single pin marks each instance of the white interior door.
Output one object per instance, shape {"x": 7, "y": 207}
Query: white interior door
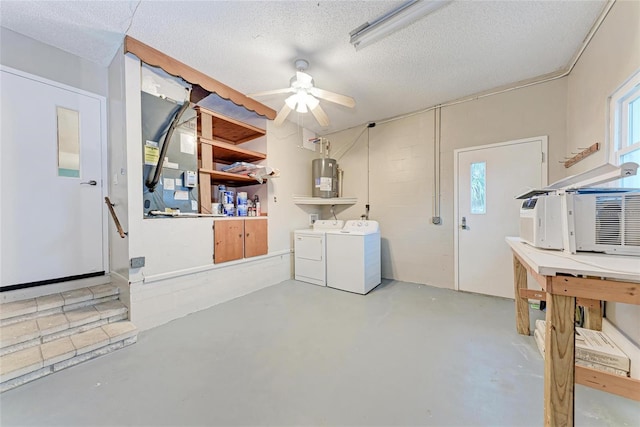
{"x": 488, "y": 179}
{"x": 51, "y": 182}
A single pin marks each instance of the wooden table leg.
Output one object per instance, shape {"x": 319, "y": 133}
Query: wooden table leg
{"x": 593, "y": 317}
{"x": 559, "y": 363}
{"x": 522, "y": 303}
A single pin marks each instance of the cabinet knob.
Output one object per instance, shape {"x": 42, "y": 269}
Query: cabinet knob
{"x": 247, "y": 234}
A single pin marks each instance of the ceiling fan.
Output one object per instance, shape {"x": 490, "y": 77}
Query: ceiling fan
{"x": 306, "y": 97}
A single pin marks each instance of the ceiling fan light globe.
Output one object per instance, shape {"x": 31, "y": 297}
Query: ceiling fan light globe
{"x": 311, "y": 101}
{"x": 292, "y": 101}
{"x": 302, "y": 107}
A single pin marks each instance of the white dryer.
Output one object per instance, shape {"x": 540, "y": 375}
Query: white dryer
{"x": 353, "y": 257}
{"x": 310, "y": 251}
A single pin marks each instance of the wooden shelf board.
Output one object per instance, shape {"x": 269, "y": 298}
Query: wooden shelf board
{"x": 226, "y": 153}
{"x": 219, "y": 177}
{"x": 306, "y": 200}
{"x": 231, "y": 130}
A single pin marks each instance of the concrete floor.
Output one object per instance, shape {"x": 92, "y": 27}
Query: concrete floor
{"x": 298, "y": 354}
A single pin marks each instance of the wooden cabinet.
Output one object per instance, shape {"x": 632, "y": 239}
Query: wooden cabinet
{"x": 255, "y": 237}
{"x": 218, "y": 139}
{"x": 228, "y": 240}
{"x": 238, "y": 238}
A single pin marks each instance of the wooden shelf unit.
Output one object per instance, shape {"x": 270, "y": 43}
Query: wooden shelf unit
{"x": 226, "y": 153}
{"x": 219, "y": 177}
{"x": 218, "y": 139}
{"x": 212, "y": 125}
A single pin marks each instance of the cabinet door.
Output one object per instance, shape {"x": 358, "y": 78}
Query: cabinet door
{"x": 255, "y": 237}
{"x": 228, "y": 240}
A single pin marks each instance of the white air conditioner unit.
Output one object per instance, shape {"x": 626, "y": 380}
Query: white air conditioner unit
{"x": 565, "y": 216}
{"x": 607, "y": 222}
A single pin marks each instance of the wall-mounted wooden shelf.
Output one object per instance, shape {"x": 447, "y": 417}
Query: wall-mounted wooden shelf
{"x": 233, "y": 179}
{"x": 226, "y": 153}
{"x": 306, "y": 200}
{"x": 213, "y": 125}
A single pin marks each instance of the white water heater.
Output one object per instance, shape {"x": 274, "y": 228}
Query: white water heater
{"x": 325, "y": 178}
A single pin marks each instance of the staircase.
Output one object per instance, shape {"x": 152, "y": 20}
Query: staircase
{"x": 43, "y": 335}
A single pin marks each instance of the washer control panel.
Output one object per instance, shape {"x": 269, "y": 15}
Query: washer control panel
{"x": 361, "y": 226}
{"x": 328, "y": 224}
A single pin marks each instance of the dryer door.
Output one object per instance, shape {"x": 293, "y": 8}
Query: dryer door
{"x": 310, "y": 247}
{"x": 310, "y": 264}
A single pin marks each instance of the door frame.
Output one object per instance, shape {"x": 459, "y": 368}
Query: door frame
{"x": 103, "y": 149}
{"x": 544, "y": 170}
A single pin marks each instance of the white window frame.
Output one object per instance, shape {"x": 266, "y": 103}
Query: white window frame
{"x": 619, "y": 101}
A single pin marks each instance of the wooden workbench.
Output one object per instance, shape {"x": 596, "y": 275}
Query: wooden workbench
{"x": 565, "y": 278}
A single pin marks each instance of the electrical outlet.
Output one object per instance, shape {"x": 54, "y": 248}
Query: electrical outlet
{"x": 137, "y": 262}
{"x": 312, "y": 218}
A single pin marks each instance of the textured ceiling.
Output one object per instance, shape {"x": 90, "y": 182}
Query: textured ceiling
{"x": 465, "y": 48}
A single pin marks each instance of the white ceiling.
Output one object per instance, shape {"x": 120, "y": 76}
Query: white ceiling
{"x": 465, "y": 48}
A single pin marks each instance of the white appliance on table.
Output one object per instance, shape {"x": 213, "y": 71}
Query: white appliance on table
{"x": 570, "y": 215}
{"x": 310, "y": 251}
{"x": 353, "y": 257}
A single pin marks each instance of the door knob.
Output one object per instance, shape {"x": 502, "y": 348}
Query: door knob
{"x": 92, "y": 182}
{"x": 464, "y": 223}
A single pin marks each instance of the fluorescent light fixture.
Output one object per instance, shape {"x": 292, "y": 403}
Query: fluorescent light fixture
{"x": 394, "y": 20}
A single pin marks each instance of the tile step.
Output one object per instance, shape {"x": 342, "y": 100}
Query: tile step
{"x": 31, "y": 332}
{"x": 31, "y": 363}
{"x": 17, "y": 311}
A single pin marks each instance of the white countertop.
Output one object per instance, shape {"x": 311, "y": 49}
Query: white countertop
{"x": 551, "y": 262}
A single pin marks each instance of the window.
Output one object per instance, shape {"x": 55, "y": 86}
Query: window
{"x": 624, "y": 109}
{"x": 478, "y": 188}
{"x": 68, "y": 142}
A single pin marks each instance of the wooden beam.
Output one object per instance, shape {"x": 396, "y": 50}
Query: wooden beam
{"x": 154, "y": 57}
{"x": 559, "y": 361}
{"x": 522, "y": 304}
{"x": 605, "y": 290}
{"x": 542, "y": 280}
{"x": 532, "y": 294}
{"x": 593, "y": 317}
{"x": 622, "y": 386}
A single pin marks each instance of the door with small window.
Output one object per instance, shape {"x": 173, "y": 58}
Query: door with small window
{"x": 52, "y": 220}
{"x": 488, "y": 180}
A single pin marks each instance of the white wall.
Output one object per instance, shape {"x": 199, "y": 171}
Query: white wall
{"x": 401, "y": 171}
{"x": 117, "y": 171}
{"x": 26, "y": 54}
{"x": 285, "y": 153}
{"x": 610, "y": 59}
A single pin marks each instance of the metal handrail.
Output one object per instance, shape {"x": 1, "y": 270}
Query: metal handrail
{"x": 115, "y": 217}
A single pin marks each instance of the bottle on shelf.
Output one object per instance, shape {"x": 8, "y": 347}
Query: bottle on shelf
{"x": 256, "y": 203}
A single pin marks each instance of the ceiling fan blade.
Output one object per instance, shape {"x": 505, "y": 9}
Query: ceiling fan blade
{"x": 336, "y": 98}
{"x": 282, "y": 115}
{"x": 320, "y": 115}
{"x": 270, "y": 92}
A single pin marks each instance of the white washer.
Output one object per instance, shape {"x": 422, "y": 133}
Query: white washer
{"x": 353, "y": 257}
{"x": 310, "y": 251}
